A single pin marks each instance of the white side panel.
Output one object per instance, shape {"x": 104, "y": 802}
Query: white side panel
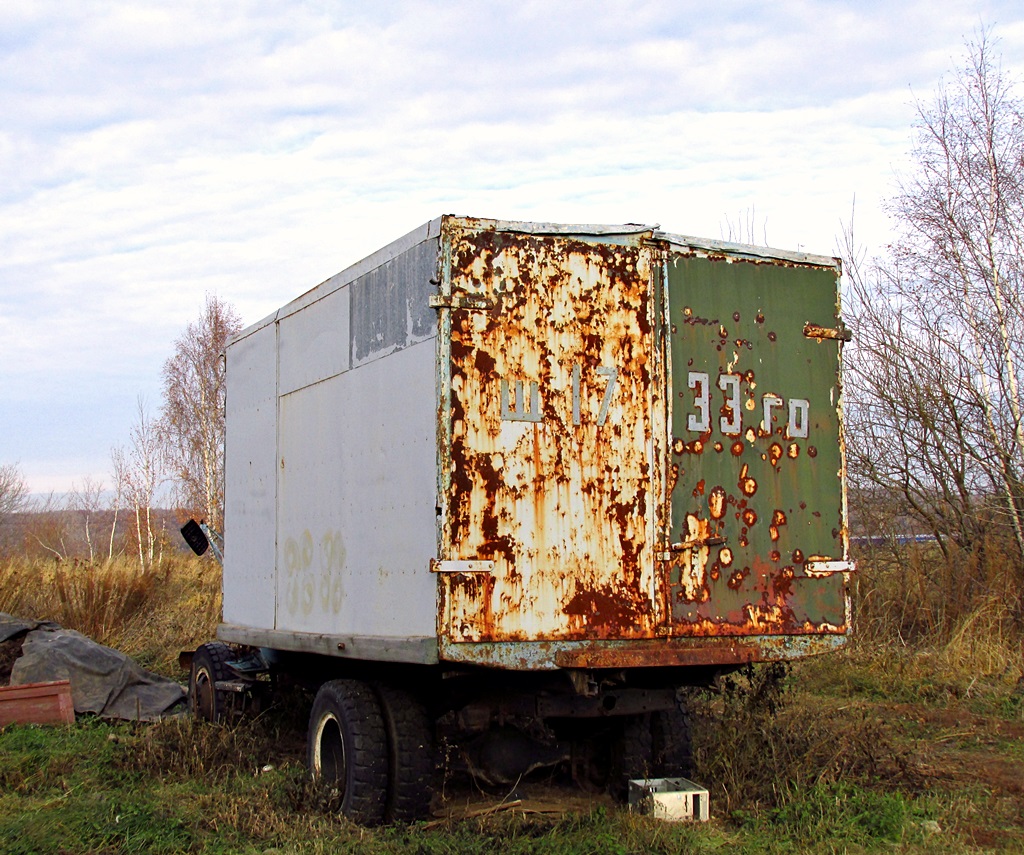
{"x": 315, "y": 342}
{"x": 251, "y": 479}
{"x": 357, "y": 501}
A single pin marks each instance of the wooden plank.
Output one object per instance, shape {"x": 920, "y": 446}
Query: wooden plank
{"x": 37, "y": 703}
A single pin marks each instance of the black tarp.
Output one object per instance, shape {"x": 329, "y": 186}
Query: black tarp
{"x": 104, "y": 681}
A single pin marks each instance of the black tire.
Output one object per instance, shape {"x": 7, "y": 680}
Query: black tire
{"x": 632, "y": 754}
{"x": 209, "y": 664}
{"x": 672, "y": 743}
{"x": 412, "y": 756}
{"x": 346, "y": 749}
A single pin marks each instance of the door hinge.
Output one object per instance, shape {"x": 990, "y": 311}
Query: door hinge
{"x": 839, "y": 333}
{"x": 461, "y": 301}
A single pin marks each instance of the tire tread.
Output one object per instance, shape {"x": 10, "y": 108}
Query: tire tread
{"x": 411, "y": 754}
{"x": 359, "y": 716}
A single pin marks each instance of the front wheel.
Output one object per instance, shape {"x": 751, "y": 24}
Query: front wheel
{"x": 347, "y": 749}
{"x": 209, "y": 664}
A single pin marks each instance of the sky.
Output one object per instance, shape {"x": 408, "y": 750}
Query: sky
{"x": 155, "y": 153}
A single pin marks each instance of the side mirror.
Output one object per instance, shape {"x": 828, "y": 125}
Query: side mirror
{"x": 194, "y": 537}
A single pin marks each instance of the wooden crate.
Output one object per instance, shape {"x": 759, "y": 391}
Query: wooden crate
{"x": 37, "y": 703}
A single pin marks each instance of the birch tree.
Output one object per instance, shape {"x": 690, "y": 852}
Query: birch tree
{"x": 192, "y": 420}
{"x": 139, "y": 472}
{"x": 935, "y": 410}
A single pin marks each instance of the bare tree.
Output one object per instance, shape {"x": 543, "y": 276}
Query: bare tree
{"x": 192, "y": 420}
{"x": 745, "y": 228}
{"x": 49, "y": 529}
{"x": 13, "y": 490}
{"x": 139, "y": 471}
{"x": 13, "y": 498}
{"x": 964, "y": 213}
{"x": 933, "y": 388}
{"x": 87, "y": 502}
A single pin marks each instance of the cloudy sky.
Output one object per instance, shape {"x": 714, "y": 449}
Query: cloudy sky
{"x": 152, "y": 153}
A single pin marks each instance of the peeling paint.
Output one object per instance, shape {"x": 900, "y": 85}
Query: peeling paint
{"x": 588, "y": 383}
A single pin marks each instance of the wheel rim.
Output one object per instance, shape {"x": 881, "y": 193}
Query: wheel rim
{"x": 329, "y": 761}
{"x": 205, "y": 695}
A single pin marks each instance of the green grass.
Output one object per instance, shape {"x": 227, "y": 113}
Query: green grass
{"x": 880, "y": 749}
{"x": 186, "y": 786}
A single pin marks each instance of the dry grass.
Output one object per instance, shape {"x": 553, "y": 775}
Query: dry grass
{"x": 780, "y": 749}
{"x": 150, "y": 615}
{"x": 916, "y": 596}
{"x": 760, "y": 742}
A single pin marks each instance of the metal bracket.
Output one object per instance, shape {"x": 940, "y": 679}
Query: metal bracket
{"x": 839, "y": 333}
{"x": 827, "y": 567}
{"x": 460, "y": 301}
{"x": 461, "y": 566}
{"x": 687, "y": 545}
{"x": 697, "y": 543}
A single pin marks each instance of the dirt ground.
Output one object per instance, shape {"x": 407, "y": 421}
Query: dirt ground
{"x": 976, "y": 759}
{"x": 970, "y": 762}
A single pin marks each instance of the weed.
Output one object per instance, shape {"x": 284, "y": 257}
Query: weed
{"x": 841, "y": 811}
{"x": 149, "y": 615}
{"x": 759, "y": 746}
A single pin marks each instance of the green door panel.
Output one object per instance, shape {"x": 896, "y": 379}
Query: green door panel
{"x": 756, "y": 492}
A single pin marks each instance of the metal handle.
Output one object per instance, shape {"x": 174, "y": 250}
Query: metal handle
{"x": 692, "y": 544}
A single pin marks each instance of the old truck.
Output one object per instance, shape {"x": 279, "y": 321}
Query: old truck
{"x": 516, "y": 485}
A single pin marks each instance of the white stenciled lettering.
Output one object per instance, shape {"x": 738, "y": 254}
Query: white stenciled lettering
{"x": 799, "y": 417}
{"x": 515, "y": 411}
{"x": 796, "y": 411}
{"x": 731, "y": 423}
{"x": 769, "y": 403}
{"x": 516, "y": 408}
{"x": 613, "y": 375}
{"x": 700, "y": 422}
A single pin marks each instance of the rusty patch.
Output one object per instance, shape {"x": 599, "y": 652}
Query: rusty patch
{"x": 716, "y": 503}
{"x": 747, "y": 485}
{"x": 662, "y": 655}
{"x": 550, "y": 421}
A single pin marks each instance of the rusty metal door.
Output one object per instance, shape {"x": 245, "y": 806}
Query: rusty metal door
{"x": 757, "y": 538}
{"x": 550, "y": 484}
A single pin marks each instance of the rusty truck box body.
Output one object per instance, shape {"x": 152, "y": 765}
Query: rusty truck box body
{"x": 531, "y": 446}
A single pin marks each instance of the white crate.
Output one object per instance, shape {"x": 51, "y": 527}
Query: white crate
{"x": 672, "y": 799}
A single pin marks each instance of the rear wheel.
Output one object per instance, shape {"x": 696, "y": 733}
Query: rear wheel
{"x": 412, "y": 759}
{"x": 672, "y": 743}
{"x": 347, "y": 749}
{"x": 632, "y": 754}
{"x": 209, "y": 664}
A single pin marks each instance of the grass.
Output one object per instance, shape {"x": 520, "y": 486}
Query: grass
{"x": 888, "y": 747}
{"x": 152, "y": 615}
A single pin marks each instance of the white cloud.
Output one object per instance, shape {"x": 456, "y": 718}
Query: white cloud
{"x": 154, "y": 153}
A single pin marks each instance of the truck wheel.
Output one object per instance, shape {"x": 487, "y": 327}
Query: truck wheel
{"x": 672, "y": 743}
{"x": 412, "y": 759}
{"x": 347, "y": 749}
{"x": 209, "y": 664}
{"x": 632, "y": 754}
